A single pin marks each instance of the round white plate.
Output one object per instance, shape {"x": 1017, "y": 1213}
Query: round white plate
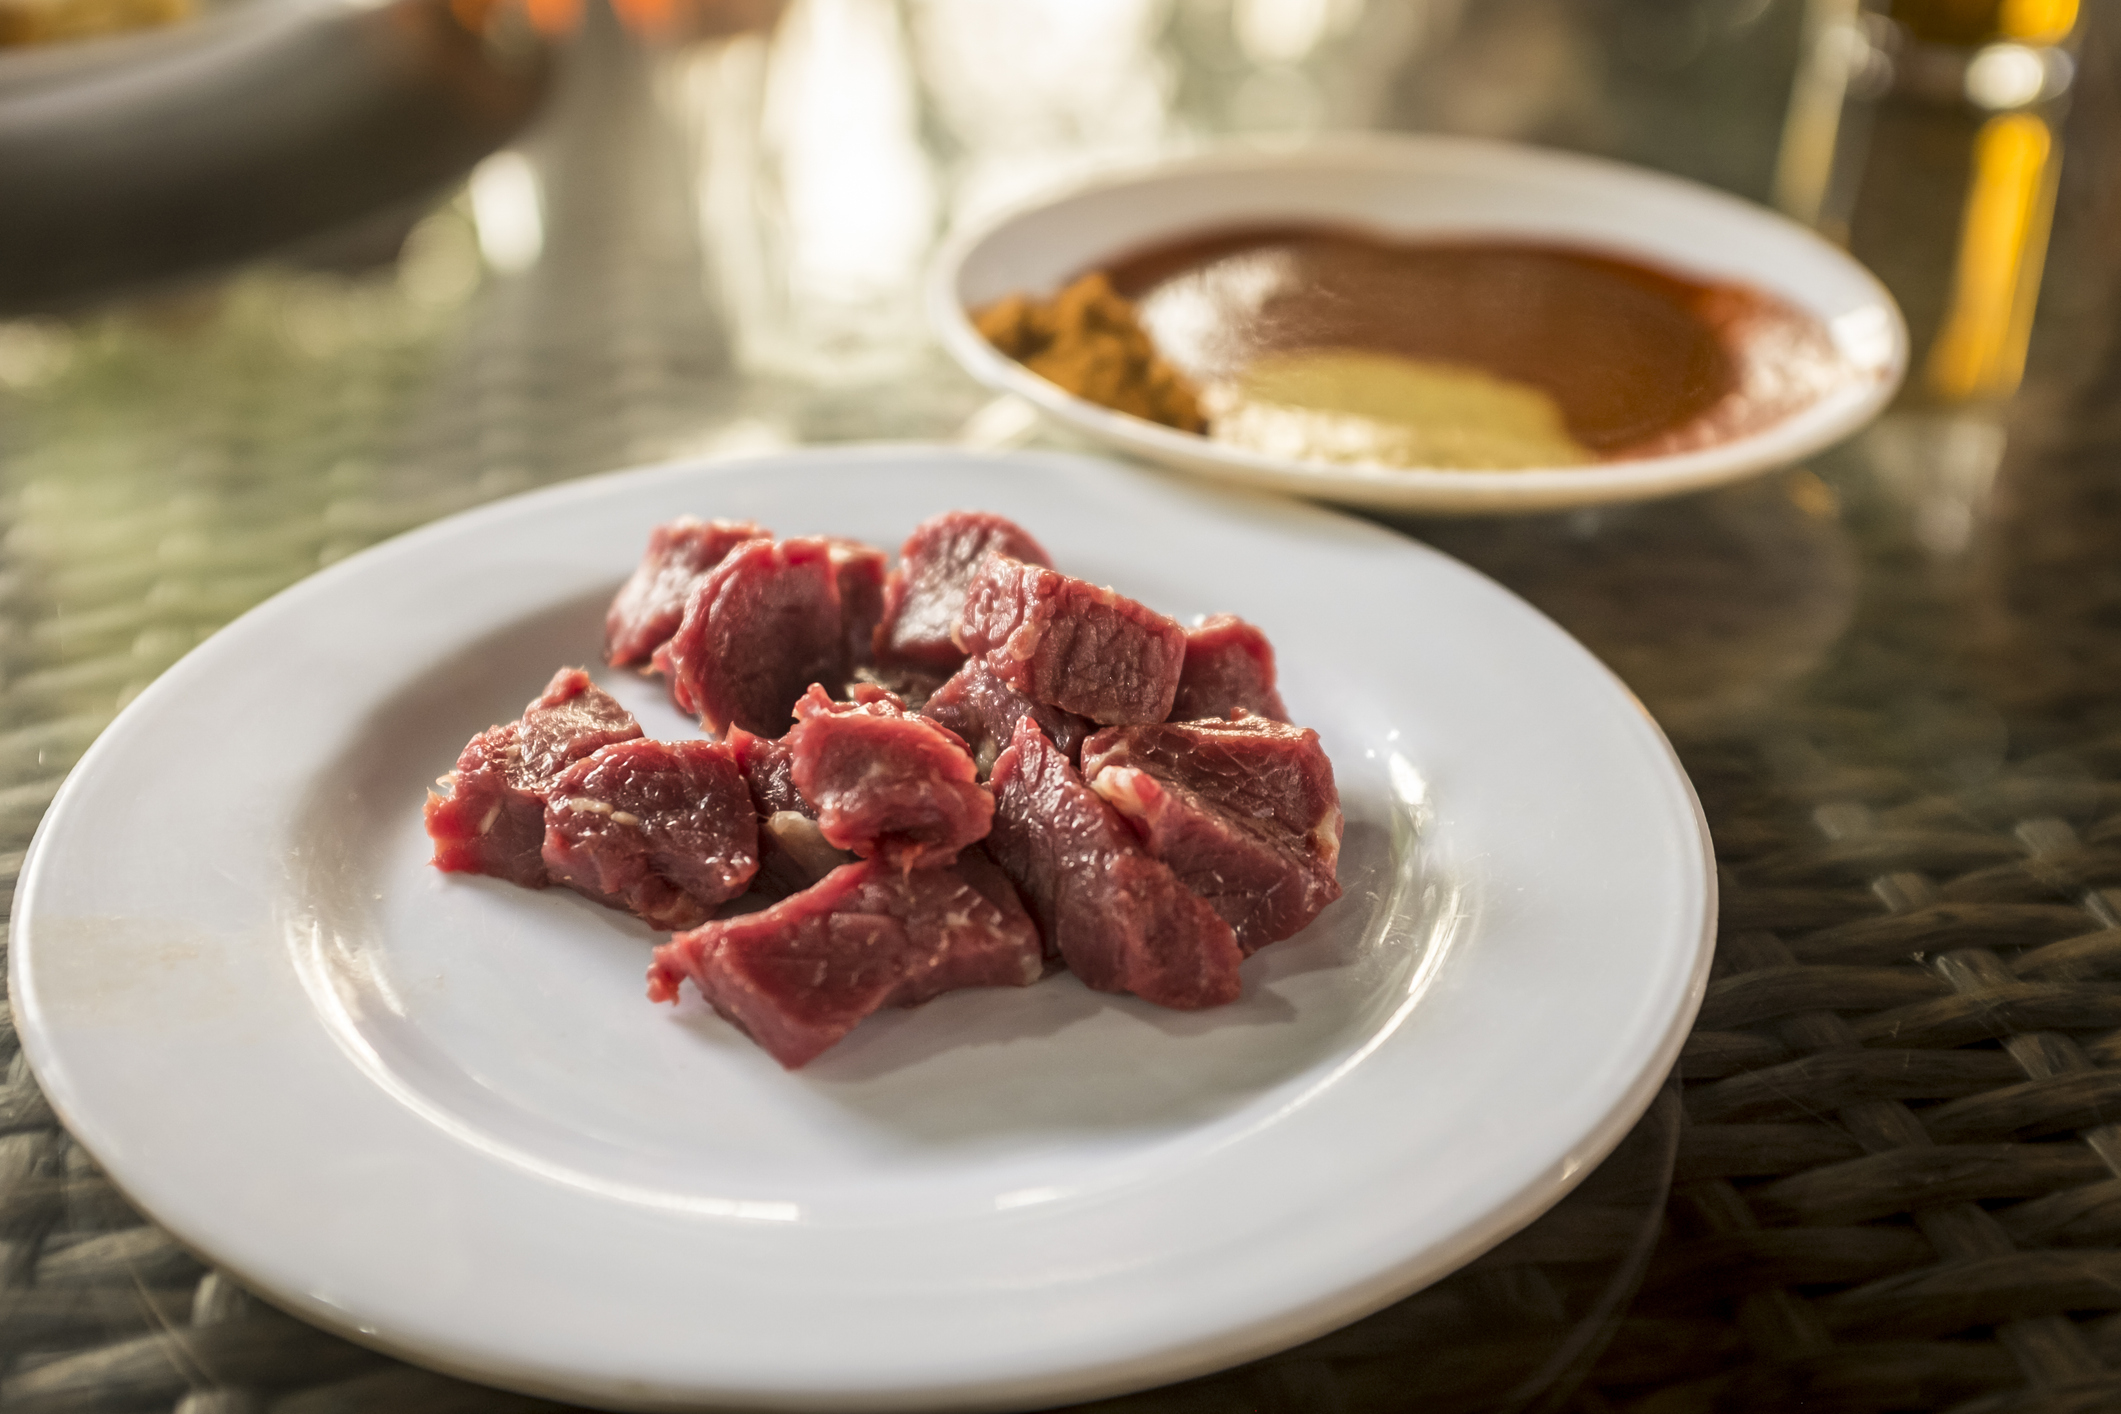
{"x": 1436, "y": 187}
{"x": 437, "y": 1114}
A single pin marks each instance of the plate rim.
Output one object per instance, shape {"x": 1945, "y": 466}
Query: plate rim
{"x": 1434, "y": 489}
{"x": 1288, "y": 1325}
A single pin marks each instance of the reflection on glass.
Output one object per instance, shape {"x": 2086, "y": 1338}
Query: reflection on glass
{"x": 1845, "y": 66}
{"x": 60, "y": 21}
{"x": 815, "y": 199}
{"x": 1017, "y": 95}
{"x": 1980, "y": 352}
{"x": 509, "y": 211}
{"x": 830, "y": 155}
{"x": 1970, "y": 22}
{"x": 1904, "y": 108}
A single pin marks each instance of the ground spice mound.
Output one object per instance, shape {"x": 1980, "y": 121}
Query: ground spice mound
{"x": 1088, "y": 340}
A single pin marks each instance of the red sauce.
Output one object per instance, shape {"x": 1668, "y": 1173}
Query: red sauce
{"x": 1641, "y": 361}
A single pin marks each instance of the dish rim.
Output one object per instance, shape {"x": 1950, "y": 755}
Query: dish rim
{"x": 1290, "y": 1325}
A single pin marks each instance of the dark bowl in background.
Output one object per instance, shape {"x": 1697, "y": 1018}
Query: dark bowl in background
{"x": 139, "y": 159}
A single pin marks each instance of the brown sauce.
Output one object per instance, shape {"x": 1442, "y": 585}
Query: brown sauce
{"x": 1639, "y": 361}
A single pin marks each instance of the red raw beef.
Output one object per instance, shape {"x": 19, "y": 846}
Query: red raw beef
{"x": 984, "y": 711}
{"x": 1070, "y": 644}
{"x": 761, "y": 627}
{"x": 925, "y": 594}
{"x": 793, "y": 852}
{"x": 798, "y": 976}
{"x": 1245, "y": 812}
{"x": 1262, "y": 770}
{"x": 1120, "y": 919}
{"x": 859, "y": 571}
{"x": 864, "y": 699}
{"x": 1229, "y": 664}
{"x": 492, "y": 821}
{"x": 651, "y": 604}
{"x": 911, "y": 686}
{"x": 662, "y": 829}
{"x": 885, "y": 783}
{"x": 767, "y": 765}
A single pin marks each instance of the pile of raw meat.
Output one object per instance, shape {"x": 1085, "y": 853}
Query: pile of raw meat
{"x": 956, "y": 773}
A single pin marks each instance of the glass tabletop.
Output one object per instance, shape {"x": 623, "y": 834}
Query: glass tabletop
{"x": 1884, "y": 1176}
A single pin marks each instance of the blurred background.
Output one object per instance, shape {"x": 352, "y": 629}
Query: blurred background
{"x": 281, "y": 278}
{"x": 528, "y": 238}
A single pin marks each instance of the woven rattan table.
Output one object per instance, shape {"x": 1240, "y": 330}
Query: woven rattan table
{"x": 1889, "y": 1174}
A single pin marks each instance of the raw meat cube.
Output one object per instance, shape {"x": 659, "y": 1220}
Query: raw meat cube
{"x": 662, "y": 829}
{"x": 1120, "y": 919}
{"x": 761, "y": 627}
{"x": 1263, "y": 887}
{"x": 659, "y": 666}
{"x": 1229, "y": 664}
{"x": 984, "y": 710}
{"x": 1245, "y": 812}
{"x": 1262, "y": 770}
{"x": 793, "y": 852}
{"x": 492, "y": 821}
{"x": 925, "y": 594}
{"x": 767, "y": 764}
{"x": 859, "y": 571}
{"x": 651, "y": 604}
{"x": 1009, "y": 955}
{"x": 885, "y": 783}
{"x": 796, "y": 977}
{"x": 1070, "y": 644}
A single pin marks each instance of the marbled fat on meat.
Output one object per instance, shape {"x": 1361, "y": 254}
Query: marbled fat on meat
{"x": 1195, "y": 830}
{"x": 492, "y": 821}
{"x": 885, "y": 783}
{"x": 1120, "y": 919}
{"x": 761, "y": 627}
{"x": 1229, "y": 665}
{"x": 664, "y": 830}
{"x": 1072, "y": 645}
{"x": 1262, "y": 770}
{"x": 1264, "y": 888}
{"x": 798, "y": 976}
{"x": 925, "y": 594}
{"x": 651, "y": 604}
{"x": 1245, "y": 812}
{"x": 983, "y": 710}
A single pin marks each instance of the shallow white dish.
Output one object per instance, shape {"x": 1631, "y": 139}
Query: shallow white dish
{"x": 1438, "y": 187}
{"x": 436, "y": 1113}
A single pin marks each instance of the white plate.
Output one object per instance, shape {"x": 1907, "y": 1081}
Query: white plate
{"x": 436, "y": 1113}
{"x": 1430, "y": 187}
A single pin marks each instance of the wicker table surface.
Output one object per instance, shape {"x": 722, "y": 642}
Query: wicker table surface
{"x": 1890, "y": 1175}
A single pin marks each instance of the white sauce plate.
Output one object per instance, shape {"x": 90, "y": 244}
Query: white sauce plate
{"x": 437, "y": 1114}
{"x": 1438, "y": 188}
